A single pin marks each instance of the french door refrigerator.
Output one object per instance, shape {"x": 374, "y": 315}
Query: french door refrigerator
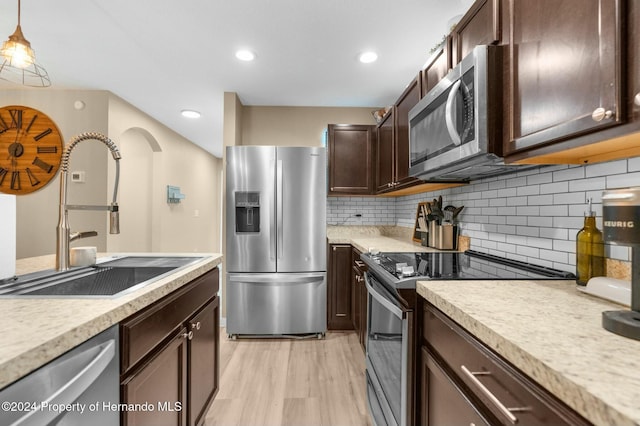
{"x": 276, "y": 240}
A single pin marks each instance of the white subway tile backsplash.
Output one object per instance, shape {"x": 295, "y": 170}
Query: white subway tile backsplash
{"x": 531, "y": 215}
{"x": 552, "y": 188}
{"x": 623, "y": 181}
{"x": 528, "y": 190}
{"x": 588, "y": 184}
{"x": 568, "y": 174}
{"x": 607, "y": 169}
{"x": 539, "y": 178}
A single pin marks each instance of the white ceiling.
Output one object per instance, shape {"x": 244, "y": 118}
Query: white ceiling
{"x": 167, "y": 55}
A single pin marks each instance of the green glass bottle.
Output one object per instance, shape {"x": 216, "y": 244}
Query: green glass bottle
{"x": 589, "y": 250}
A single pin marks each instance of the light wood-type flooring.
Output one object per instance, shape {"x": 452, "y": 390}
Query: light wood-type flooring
{"x": 310, "y": 382}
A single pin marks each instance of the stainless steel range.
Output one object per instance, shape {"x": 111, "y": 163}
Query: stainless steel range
{"x": 391, "y": 329}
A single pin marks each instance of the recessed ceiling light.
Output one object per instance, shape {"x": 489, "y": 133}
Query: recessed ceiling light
{"x": 190, "y": 113}
{"x": 245, "y": 55}
{"x": 368, "y": 57}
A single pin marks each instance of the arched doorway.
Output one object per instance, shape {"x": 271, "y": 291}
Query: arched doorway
{"x": 137, "y": 192}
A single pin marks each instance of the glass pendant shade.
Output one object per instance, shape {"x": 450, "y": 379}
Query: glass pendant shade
{"x": 18, "y": 61}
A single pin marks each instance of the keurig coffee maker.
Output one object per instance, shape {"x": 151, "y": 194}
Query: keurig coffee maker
{"x": 621, "y": 224}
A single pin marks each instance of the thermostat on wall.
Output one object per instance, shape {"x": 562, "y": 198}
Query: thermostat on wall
{"x": 77, "y": 177}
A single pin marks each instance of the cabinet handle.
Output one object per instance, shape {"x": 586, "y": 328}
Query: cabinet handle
{"x": 196, "y": 325}
{"x": 188, "y": 335}
{"x": 600, "y": 114}
{"x": 359, "y": 263}
{"x": 507, "y": 412}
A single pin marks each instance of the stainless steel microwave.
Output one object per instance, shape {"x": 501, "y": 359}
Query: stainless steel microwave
{"x": 456, "y": 129}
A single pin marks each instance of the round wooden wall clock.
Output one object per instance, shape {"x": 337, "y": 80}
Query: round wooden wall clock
{"x": 30, "y": 149}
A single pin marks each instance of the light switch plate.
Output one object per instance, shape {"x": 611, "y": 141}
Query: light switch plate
{"x": 78, "y": 177}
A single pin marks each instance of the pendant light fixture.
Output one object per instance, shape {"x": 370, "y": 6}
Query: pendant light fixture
{"x": 18, "y": 61}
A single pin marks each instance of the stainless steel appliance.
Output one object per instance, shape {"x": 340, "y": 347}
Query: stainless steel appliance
{"x": 455, "y": 130}
{"x": 276, "y": 240}
{"x": 81, "y": 387}
{"x": 620, "y": 213}
{"x": 391, "y": 361}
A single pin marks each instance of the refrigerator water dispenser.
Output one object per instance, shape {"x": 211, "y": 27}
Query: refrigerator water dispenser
{"x": 247, "y": 211}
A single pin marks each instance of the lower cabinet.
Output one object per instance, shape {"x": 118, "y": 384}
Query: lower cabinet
{"x": 339, "y": 288}
{"x": 170, "y": 357}
{"x": 465, "y": 382}
{"x": 359, "y": 298}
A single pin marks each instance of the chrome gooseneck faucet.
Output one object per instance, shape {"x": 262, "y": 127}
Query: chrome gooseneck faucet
{"x": 64, "y": 236}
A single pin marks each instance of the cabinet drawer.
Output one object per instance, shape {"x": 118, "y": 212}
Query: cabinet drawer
{"x": 491, "y": 379}
{"x": 141, "y": 332}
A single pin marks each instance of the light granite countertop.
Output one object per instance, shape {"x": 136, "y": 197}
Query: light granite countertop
{"x": 552, "y": 333}
{"x": 37, "y": 330}
{"x": 383, "y": 238}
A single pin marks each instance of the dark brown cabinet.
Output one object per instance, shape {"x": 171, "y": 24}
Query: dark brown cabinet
{"x": 437, "y": 67}
{"x": 404, "y": 104}
{"x": 384, "y": 163}
{"x": 392, "y": 165}
{"x": 339, "y": 288}
{"x": 204, "y": 360}
{"x": 565, "y": 60}
{"x": 359, "y": 297}
{"x": 170, "y": 356}
{"x": 463, "y": 381}
{"x": 351, "y": 159}
{"x": 480, "y": 25}
{"x": 443, "y": 402}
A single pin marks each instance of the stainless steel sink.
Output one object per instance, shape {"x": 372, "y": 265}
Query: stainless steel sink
{"x": 105, "y": 280}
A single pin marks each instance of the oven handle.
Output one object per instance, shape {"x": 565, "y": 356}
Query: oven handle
{"x": 451, "y": 127}
{"x": 395, "y": 310}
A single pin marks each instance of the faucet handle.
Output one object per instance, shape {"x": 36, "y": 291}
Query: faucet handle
{"x": 86, "y": 234}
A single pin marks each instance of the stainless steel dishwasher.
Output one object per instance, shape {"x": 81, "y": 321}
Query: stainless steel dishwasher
{"x": 80, "y": 387}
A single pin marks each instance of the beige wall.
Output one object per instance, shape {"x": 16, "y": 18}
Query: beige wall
{"x": 153, "y": 156}
{"x": 296, "y": 126}
{"x": 37, "y": 213}
{"x": 162, "y": 157}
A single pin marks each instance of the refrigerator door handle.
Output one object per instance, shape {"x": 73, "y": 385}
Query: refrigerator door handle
{"x": 272, "y": 223}
{"x": 277, "y": 279}
{"x": 280, "y": 208}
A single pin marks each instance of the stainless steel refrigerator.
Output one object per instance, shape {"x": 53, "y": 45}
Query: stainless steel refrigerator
{"x": 276, "y": 240}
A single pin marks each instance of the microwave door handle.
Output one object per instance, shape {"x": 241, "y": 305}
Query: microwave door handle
{"x": 451, "y": 127}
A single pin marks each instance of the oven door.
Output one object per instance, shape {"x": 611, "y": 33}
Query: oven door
{"x": 387, "y": 355}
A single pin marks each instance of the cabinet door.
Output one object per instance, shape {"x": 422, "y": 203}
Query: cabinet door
{"x": 633, "y": 52}
{"x": 407, "y": 100}
{"x": 339, "y": 289}
{"x": 351, "y": 154}
{"x": 480, "y": 25}
{"x": 384, "y": 153}
{"x": 161, "y": 382}
{"x": 355, "y": 299}
{"x": 204, "y": 356}
{"x": 565, "y": 67}
{"x": 363, "y": 313}
{"x": 443, "y": 403}
{"x": 438, "y": 66}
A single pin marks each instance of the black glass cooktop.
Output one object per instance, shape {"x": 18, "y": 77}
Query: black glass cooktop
{"x": 469, "y": 265}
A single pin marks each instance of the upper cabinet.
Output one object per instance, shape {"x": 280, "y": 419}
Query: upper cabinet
{"x": 480, "y": 25}
{"x": 565, "y": 78}
{"x": 384, "y": 153}
{"x": 351, "y": 154}
{"x": 437, "y": 67}
{"x": 393, "y": 141}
